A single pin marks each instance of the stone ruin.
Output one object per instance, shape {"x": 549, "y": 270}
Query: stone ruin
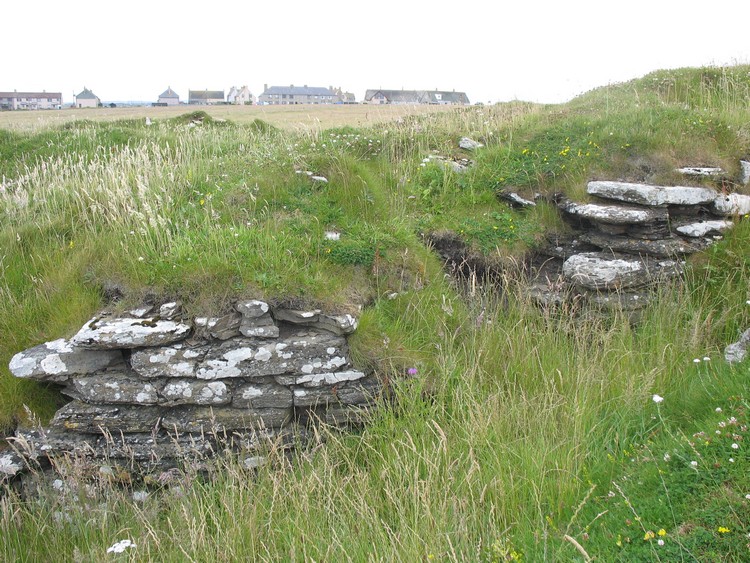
{"x": 627, "y": 240}
{"x": 151, "y": 389}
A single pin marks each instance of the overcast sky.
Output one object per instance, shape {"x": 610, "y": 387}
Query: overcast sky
{"x": 547, "y": 51}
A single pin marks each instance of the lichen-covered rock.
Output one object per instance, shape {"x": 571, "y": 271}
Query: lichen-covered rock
{"x": 702, "y": 171}
{"x": 338, "y": 324}
{"x": 193, "y": 392}
{"x": 663, "y": 248}
{"x": 125, "y": 333}
{"x": 178, "y": 360}
{"x": 58, "y": 360}
{"x": 248, "y": 357}
{"x": 644, "y": 194}
{"x": 166, "y": 394}
{"x": 263, "y": 395}
{"x": 737, "y": 351}
{"x": 614, "y": 214}
{"x": 604, "y": 271}
{"x": 731, "y": 204}
{"x": 221, "y": 328}
{"x": 253, "y": 308}
{"x": 115, "y": 388}
{"x": 704, "y": 228}
{"x": 11, "y": 464}
{"x": 469, "y": 144}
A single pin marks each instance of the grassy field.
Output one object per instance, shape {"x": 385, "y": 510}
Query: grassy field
{"x": 292, "y": 118}
{"x": 528, "y": 434}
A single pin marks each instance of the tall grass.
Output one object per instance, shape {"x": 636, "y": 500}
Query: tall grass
{"x": 491, "y": 452}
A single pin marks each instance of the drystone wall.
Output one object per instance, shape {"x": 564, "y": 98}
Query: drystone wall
{"x": 152, "y": 388}
{"x": 630, "y": 238}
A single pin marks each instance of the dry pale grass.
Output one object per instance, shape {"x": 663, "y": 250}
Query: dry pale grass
{"x": 300, "y": 117}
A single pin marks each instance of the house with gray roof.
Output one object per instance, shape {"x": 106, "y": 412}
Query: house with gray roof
{"x": 87, "y": 99}
{"x": 439, "y": 97}
{"x": 292, "y": 95}
{"x": 168, "y": 98}
{"x": 30, "y": 100}
{"x": 205, "y": 97}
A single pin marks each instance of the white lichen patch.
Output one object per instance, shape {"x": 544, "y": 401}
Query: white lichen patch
{"x": 252, "y": 392}
{"x": 181, "y": 389}
{"x": 318, "y": 379}
{"x": 9, "y": 465}
{"x": 61, "y": 346}
{"x": 53, "y": 365}
{"x": 263, "y": 354}
{"x": 22, "y": 365}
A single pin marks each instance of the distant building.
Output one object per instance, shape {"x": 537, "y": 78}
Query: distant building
{"x": 30, "y": 100}
{"x": 439, "y": 97}
{"x": 205, "y": 97}
{"x": 169, "y": 98}
{"x": 292, "y": 95}
{"x": 240, "y": 96}
{"x": 87, "y": 99}
{"x": 343, "y": 97}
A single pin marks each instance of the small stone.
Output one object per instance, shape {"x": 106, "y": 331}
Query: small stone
{"x": 11, "y": 464}
{"x": 515, "y": 200}
{"x": 745, "y": 172}
{"x": 469, "y": 144}
{"x": 731, "y": 204}
{"x": 710, "y": 171}
{"x": 170, "y": 310}
{"x": 737, "y": 352}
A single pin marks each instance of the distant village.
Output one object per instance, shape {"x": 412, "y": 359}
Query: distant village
{"x": 274, "y": 95}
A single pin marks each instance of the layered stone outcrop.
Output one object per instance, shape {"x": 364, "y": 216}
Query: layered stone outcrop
{"x": 152, "y": 390}
{"x": 630, "y": 238}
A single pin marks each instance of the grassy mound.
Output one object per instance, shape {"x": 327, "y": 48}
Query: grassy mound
{"x": 493, "y": 450}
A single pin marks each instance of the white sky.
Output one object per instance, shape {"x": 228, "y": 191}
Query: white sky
{"x": 541, "y": 50}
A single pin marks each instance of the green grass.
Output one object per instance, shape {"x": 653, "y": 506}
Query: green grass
{"x": 491, "y": 453}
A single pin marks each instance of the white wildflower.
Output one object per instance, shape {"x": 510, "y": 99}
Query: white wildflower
{"x": 120, "y": 546}
{"x": 694, "y": 464}
{"x": 657, "y": 398}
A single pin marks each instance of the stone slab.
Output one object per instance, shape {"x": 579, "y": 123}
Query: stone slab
{"x": 645, "y": 194}
{"x": 126, "y": 333}
{"x": 704, "y": 228}
{"x": 58, "y": 360}
{"x": 608, "y": 271}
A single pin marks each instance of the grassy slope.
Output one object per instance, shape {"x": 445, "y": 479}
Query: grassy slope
{"x": 490, "y": 453}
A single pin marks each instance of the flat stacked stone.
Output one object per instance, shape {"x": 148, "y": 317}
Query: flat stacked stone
{"x": 150, "y": 379}
{"x": 642, "y": 232}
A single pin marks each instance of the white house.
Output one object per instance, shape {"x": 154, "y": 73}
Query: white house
{"x": 87, "y": 99}
{"x": 240, "y": 96}
{"x": 169, "y": 98}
